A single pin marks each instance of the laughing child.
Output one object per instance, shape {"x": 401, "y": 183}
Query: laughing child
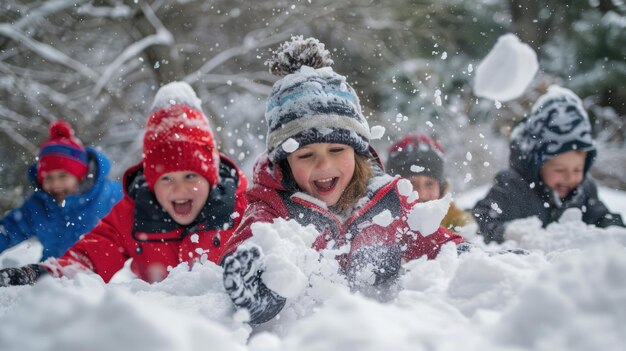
{"x": 551, "y": 153}
{"x": 181, "y": 203}
{"x": 320, "y": 169}
{"x": 72, "y": 193}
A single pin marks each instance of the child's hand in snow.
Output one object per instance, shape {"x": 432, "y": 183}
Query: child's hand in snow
{"x": 242, "y": 281}
{"x": 25, "y": 275}
{"x": 374, "y": 265}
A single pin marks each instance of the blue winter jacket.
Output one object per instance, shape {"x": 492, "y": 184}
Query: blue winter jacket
{"x": 56, "y": 227}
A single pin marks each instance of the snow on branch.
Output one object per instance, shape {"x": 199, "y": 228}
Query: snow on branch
{"x": 8, "y": 130}
{"x": 46, "y": 51}
{"x": 116, "y": 12}
{"x": 162, "y": 37}
{"x": 47, "y": 9}
{"x": 242, "y": 81}
{"x": 247, "y": 45}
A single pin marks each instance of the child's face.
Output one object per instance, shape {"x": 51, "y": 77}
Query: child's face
{"x": 427, "y": 187}
{"x": 182, "y": 194}
{"x": 323, "y": 170}
{"x": 564, "y": 172}
{"x": 59, "y": 184}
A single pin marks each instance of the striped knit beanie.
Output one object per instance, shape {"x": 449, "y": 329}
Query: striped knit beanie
{"x": 311, "y": 103}
{"x": 558, "y": 123}
{"x": 178, "y": 136}
{"x": 62, "y": 151}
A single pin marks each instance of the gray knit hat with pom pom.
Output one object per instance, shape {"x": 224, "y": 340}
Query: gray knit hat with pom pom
{"x": 311, "y": 103}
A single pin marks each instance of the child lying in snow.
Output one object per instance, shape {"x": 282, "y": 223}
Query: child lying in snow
{"x": 320, "y": 169}
{"x": 551, "y": 153}
{"x": 181, "y": 203}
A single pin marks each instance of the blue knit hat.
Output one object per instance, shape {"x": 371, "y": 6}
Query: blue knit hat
{"x": 557, "y": 124}
{"x": 311, "y": 103}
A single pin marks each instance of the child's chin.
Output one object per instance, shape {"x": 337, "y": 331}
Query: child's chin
{"x": 182, "y": 219}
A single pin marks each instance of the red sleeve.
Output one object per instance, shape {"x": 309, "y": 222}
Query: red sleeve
{"x": 103, "y": 249}
{"x": 417, "y": 245}
{"x": 258, "y": 210}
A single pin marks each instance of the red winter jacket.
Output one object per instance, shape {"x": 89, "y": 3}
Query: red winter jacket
{"x": 268, "y": 199}
{"x": 139, "y": 228}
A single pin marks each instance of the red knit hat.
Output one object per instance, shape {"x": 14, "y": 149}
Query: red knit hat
{"x": 62, "y": 151}
{"x": 178, "y": 136}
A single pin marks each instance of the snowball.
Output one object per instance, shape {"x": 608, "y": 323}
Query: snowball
{"x": 290, "y": 145}
{"x": 425, "y": 217}
{"x": 383, "y": 219}
{"x": 195, "y": 238}
{"x": 506, "y": 71}
{"x": 405, "y": 188}
{"x": 377, "y": 132}
{"x": 417, "y": 169}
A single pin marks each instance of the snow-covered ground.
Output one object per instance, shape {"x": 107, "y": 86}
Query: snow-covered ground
{"x": 568, "y": 294}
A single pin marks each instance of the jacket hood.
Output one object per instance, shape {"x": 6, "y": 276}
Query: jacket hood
{"x": 557, "y": 124}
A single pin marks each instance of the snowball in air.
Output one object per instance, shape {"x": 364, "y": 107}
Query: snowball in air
{"x": 507, "y": 70}
{"x": 290, "y": 145}
{"x": 377, "y": 132}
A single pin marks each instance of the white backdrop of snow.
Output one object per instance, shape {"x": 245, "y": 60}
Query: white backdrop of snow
{"x": 568, "y": 294}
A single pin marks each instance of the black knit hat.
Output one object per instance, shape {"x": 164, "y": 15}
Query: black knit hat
{"x": 417, "y": 154}
{"x": 311, "y": 103}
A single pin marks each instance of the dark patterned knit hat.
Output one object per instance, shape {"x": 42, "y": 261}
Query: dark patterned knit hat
{"x": 557, "y": 124}
{"x": 311, "y": 103}
{"x": 178, "y": 136}
{"x": 417, "y": 154}
{"x": 63, "y": 151}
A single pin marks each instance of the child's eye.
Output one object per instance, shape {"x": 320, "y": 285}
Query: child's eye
{"x": 304, "y": 156}
{"x": 337, "y": 149}
{"x": 191, "y": 176}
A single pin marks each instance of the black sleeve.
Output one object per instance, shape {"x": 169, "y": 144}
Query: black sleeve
{"x": 596, "y": 212}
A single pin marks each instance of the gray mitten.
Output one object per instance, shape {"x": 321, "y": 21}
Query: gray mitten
{"x": 24, "y": 275}
{"x": 242, "y": 281}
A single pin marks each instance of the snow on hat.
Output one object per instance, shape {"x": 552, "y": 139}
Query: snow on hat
{"x": 416, "y": 154}
{"x": 558, "y": 123}
{"x": 178, "y": 136}
{"x": 62, "y": 151}
{"x": 311, "y": 103}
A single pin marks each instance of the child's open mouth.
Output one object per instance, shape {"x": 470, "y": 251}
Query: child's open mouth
{"x": 326, "y": 185}
{"x": 182, "y": 207}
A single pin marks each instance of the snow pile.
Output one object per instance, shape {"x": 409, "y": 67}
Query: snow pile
{"x": 294, "y": 269}
{"x": 577, "y": 303}
{"x": 569, "y": 232}
{"x": 567, "y": 294}
{"x": 86, "y": 314}
{"x": 506, "y": 71}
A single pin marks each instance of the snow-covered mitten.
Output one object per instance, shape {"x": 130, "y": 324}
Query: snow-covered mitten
{"x": 514, "y": 251}
{"x": 242, "y": 281}
{"x": 374, "y": 265}
{"x": 24, "y": 275}
{"x": 463, "y": 247}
